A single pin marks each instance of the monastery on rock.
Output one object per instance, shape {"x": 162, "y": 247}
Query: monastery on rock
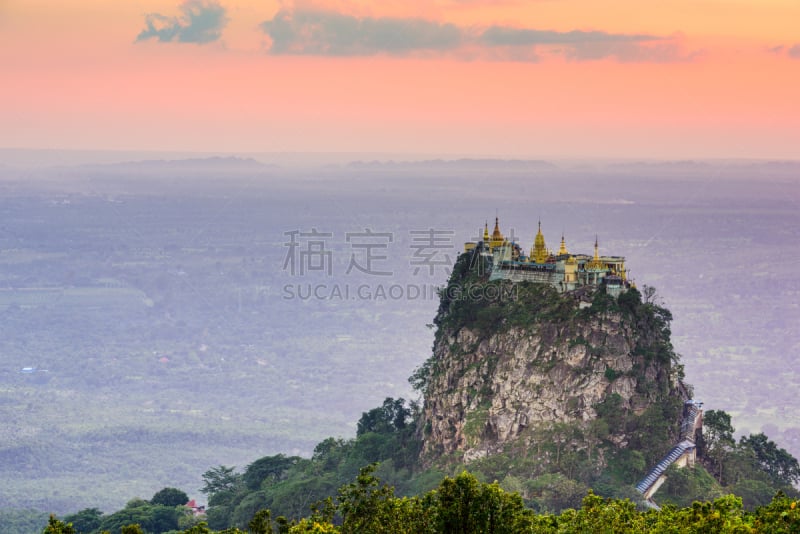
{"x": 562, "y": 270}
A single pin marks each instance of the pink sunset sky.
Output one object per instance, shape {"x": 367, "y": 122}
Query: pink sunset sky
{"x": 535, "y": 78}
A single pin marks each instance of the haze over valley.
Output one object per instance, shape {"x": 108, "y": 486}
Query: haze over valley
{"x": 157, "y": 321}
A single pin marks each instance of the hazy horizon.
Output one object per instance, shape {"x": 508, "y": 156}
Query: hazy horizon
{"x": 142, "y": 288}
{"x": 53, "y": 157}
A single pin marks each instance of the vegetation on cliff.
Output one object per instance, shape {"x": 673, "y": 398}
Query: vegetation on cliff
{"x": 552, "y": 394}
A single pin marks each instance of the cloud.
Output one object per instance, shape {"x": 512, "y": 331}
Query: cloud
{"x": 329, "y": 33}
{"x": 791, "y": 51}
{"x": 506, "y": 36}
{"x": 661, "y": 51}
{"x": 579, "y": 45}
{"x": 201, "y": 22}
{"x": 319, "y": 32}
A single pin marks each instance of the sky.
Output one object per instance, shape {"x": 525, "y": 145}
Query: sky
{"x": 668, "y": 79}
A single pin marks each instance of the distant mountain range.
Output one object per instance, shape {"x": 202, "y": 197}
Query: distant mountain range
{"x": 229, "y": 163}
{"x": 467, "y": 164}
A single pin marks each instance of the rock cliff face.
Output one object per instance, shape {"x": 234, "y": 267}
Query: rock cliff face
{"x": 527, "y": 358}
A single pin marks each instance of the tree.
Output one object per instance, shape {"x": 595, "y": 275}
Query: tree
{"x": 22, "y": 521}
{"x": 152, "y": 518}
{"x": 270, "y": 468}
{"x": 200, "y": 528}
{"x": 220, "y": 479}
{"x": 779, "y": 464}
{"x": 248, "y": 507}
{"x": 649, "y": 294}
{"x": 136, "y": 502}
{"x": 718, "y": 439}
{"x": 86, "y": 520}
{"x": 600, "y": 515}
{"x": 754, "y": 493}
{"x": 170, "y": 497}
{"x": 554, "y": 491}
{"x": 630, "y": 464}
{"x": 392, "y": 416}
{"x": 781, "y": 516}
{"x": 466, "y": 506}
{"x": 684, "y": 485}
{"x": 224, "y": 488}
{"x": 364, "y": 503}
{"x": 329, "y": 452}
{"x": 261, "y": 523}
{"x": 611, "y": 410}
{"x": 630, "y": 300}
{"x": 54, "y": 526}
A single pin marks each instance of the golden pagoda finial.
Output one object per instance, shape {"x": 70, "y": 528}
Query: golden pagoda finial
{"x": 497, "y": 236}
{"x": 539, "y": 251}
{"x": 486, "y": 233}
{"x": 596, "y": 264}
{"x": 562, "y": 250}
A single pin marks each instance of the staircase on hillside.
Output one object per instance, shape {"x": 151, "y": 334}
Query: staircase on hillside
{"x": 682, "y": 454}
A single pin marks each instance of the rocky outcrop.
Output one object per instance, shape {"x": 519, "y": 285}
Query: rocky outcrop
{"x": 488, "y": 388}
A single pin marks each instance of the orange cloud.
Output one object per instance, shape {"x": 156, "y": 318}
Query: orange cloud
{"x": 332, "y": 33}
{"x": 200, "y": 22}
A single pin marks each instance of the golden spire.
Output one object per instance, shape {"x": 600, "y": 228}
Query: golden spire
{"x": 596, "y": 264}
{"x": 562, "y": 250}
{"x": 497, "y": 236}
{"x": 486, "y": 233}
{"x": 539, "y": 251}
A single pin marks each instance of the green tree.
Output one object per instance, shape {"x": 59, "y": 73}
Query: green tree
{"x": 754, "y": 493}
{"x": 261, "y": 523}
{"x": 87, "y": 520}
{"x": 717, "y": 443}
{"x": 225, "y": 488}
{"x": 365, "y": 504}
{"x": 684, "y": 485}
{"x": 781, "y": 516}
{"x": 601, "y": 515}
{"x": 630, "y": 300}
{"x": 554, "y": 491}
{"x": 220, "y": 479}
{"x": 169, "y": 497}
{"x": 779, "y": 464}
{"x": 271, "y": 468}
{"x": 612, "y": 411}
{"x": 392, "y": 416}
{"x": 154, "y": 519}
{"x": 466, "y": 506}
{"x": 329, "y": 453}
{"x": 22, "y": 521}
{"x": 55, "y": 526}
{"x": 294, "y": 496}
{"x": 250, "y": 504}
